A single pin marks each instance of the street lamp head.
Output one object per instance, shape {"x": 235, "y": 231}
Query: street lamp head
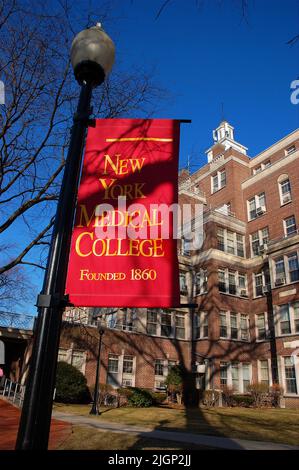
{"x": 92, "y": 55}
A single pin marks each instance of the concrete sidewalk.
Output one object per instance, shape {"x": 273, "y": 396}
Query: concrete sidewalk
{"x": 176, "y": 436}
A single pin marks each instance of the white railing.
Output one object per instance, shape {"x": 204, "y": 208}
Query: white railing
{"x": 13, "y": 391}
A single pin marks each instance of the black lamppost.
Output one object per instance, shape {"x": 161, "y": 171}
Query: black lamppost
{"x": 95, "y": 409}
{"x": 92, "y": 56}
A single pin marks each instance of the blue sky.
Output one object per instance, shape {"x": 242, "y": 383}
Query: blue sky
{"x": 209, "y": 54}
{"x": 205, "y": 54}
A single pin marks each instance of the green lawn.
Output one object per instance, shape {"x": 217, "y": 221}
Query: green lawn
{"x": 274, "y": 425}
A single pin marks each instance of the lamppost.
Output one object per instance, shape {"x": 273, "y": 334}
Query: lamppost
{"x": 95, "y": 409}
{"x": 92, "y": 57}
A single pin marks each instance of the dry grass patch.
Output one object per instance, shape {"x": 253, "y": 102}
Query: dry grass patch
{"x": 89, "y": 438}
{"x": 273, "y": 425}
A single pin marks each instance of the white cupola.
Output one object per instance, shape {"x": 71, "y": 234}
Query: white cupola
{"x": 223, "y": 136}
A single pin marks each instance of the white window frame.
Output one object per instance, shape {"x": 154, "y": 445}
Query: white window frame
{"x": 261, "y": 167}
{"x": 291, "y": 149}
{"x": 285, "y": 226}
{"x": 282, "y": 365}
{"x": 218, "y": 176}
{"x": 260, "y": 239}
{"x": 166, "y": 364}
{"x": 287, "y": 194}
{"x": 184, "y": 286}
{"x": 150, "y": 310}
{"x": 180, "y": 315}
{"x": 264, "y": 283}
{"x": 267, "y": 331}
{"x": 69, "y": 354}
{"x": 227, "y": 271}
{"x": 228, "y": 314}
{"x": 257, "y": 199}
{"x": 240, "y": 374}
{"x": 286, "y": 276}
{"x": 259, "y": 373}
{"x": 201, "y": 319}
{"x": 201, "y": 287}
{"x": 235, "y": 241}
{"x": 291, "y": 317}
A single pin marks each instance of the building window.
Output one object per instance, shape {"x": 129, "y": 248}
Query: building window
{"x": 125, "y": 319}
{"x": 261, "y": 167}
{"x": 240, "y": 245}
{"x": 230, "y": 242}
{"x": 201, "y": 325}
{"x": 259, "y": 241}
{"x": 74, "y": 357}
{"x": 165, "y": 324}
{"x": 180, "y": 325}
{"x": 261, "y": 283}
{"x": 183, "y": 284}
{"x": 223, "y": 325}
{"x": 152, "y": 322}
{"x": 235, "y": 377}
{"x": 78, "y": 359}
{"x": 233, "y": 326}
{"x": 290, "y": 375}
{"x": 290, "y": 226}
{"x": 221, "y": 280}
{"x": 288, "y": 318}
{"x": 290, "y": 150}
{"x": 246, "y": 376}
{"x": 232, "y": 282}
{"x": 293, "y": 267}
{"x": 201, "y": 282}
{"x": 258, "y": 281}
{"x": 186, "y": 247}
{"x": 284, "y": 320}
{"x": 196, "y": 325}
{"x": 159, "y": 367}
{"x": 261, "y": 326}
{"x": 218, "y": 180}
{"x": 62, "y": 355}
{"x": 244, "y": 324}
{"x": 128, "y": 365}
{"x": 220, "y": 239}
{"x": 223, "y": 374}
{"x": 256, "y": 206}
{"x": 232, "y": 288}
{"x": 113, "y": 363}
{"x": 285, "y": 191}
{"x": 296, "y": 316}
{"x": 286, "y": 269}
{"x": 280, "y": 275}
{"x": 264, "y": 372}
{"x": 205, "y": 325}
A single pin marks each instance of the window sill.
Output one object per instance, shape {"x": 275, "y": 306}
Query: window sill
{"x": 257, "y": 217}
{"x": 235, "y": 340}
{"x": 284, "y": 285}
{"x": 286, "y": 335}
{"x": 217, "y": 190}
{"x": 286, "y": 203}
{"x": 235, "y": 295}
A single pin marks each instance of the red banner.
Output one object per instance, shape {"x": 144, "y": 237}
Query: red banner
{"x": 123, "y": 253}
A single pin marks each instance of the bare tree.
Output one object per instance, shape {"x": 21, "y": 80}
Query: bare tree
{"x": 41, "y": 95}
{"x": 14, "y": 288}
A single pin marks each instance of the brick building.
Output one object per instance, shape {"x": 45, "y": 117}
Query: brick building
{"x": 244, "y": 280}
